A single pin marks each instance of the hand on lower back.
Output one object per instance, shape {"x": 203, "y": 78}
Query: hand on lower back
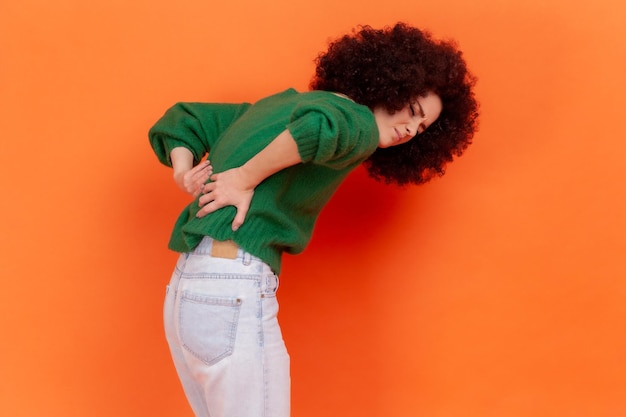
{"x": 192, "y": 180}
{"x": 228, "y": 188}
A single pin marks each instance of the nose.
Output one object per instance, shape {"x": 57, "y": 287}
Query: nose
{"x": 411, "y": 128}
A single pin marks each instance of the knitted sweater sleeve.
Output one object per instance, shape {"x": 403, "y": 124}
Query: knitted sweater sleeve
{"x": 335, "y": 133}
{"x": 195, "y": 126}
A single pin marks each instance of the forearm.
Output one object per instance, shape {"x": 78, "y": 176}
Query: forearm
{"x": 182, "y": 161}
{"x": 235, "y": 187}
{"x": 281, "y": 153}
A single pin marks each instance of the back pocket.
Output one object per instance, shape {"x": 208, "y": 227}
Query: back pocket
{"x": 208, "y": 325}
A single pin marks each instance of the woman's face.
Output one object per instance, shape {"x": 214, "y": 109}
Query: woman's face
{"x": 403, "y": 125}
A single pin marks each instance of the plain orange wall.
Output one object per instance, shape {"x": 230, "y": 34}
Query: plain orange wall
{"x": 498, "y": 290}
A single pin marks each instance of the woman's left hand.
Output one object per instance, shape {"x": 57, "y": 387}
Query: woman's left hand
{"x": 192, "y": 180}
{"x": 228, "y": 188}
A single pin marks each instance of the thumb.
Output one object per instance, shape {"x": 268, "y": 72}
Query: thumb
{"x": 239, "y": 217}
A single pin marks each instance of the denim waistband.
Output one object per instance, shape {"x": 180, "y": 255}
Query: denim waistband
{"x": 206, "y": 244}
{"x": 199, "y": 264}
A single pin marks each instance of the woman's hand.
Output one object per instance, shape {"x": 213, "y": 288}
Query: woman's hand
{"x": 228, "y": 188}
{"x": 235, "y": 187}
{"x": 192, "y": 180}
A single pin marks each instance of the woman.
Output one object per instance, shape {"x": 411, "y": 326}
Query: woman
{"x": 278, "y": 162}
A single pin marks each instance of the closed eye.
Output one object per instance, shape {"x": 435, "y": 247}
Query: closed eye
{"x": 421, "y": 109}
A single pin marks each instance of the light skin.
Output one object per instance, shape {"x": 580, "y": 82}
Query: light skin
{"x": 190, "y": 179}
{"x": 235, "y": 187}
{"x": 403, "y": 125}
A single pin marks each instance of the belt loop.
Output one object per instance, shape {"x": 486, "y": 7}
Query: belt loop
{"x": 247, "y": 258}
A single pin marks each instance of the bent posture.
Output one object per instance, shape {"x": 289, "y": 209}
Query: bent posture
{"x": 395, "y": 99}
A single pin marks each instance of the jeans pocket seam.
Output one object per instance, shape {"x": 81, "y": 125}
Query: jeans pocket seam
{"x": 208, "y": 326}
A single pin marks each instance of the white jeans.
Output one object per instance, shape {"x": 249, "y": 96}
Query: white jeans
{"x": 222, "y": 328}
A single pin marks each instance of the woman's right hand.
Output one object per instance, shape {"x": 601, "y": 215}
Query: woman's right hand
{"x": 191, "y": 181}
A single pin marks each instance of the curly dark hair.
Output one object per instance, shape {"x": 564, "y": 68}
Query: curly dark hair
{"x": 390, "y": 68}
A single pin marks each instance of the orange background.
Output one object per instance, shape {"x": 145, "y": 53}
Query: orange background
{"x": 498, "y": 290}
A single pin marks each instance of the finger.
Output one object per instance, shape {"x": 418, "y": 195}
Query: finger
{"x": 208, "y": 187}
{"x": 199, "y": 185}
{"x": 196, "y": 175}
{"x": 201, "y": 175}
{"x": 239, "y": 218}
{"x": 201, "y": 166}
{"x": 207, "y": 209}
{"x": 205, "y": 167}
{"x": 199, "y": 189}
{"x": 205, "y": 199}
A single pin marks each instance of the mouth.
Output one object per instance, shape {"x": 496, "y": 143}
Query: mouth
{"x": 398, "y": 136}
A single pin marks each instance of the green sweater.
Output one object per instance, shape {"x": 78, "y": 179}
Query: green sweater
{"x": 334, "y": 135}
